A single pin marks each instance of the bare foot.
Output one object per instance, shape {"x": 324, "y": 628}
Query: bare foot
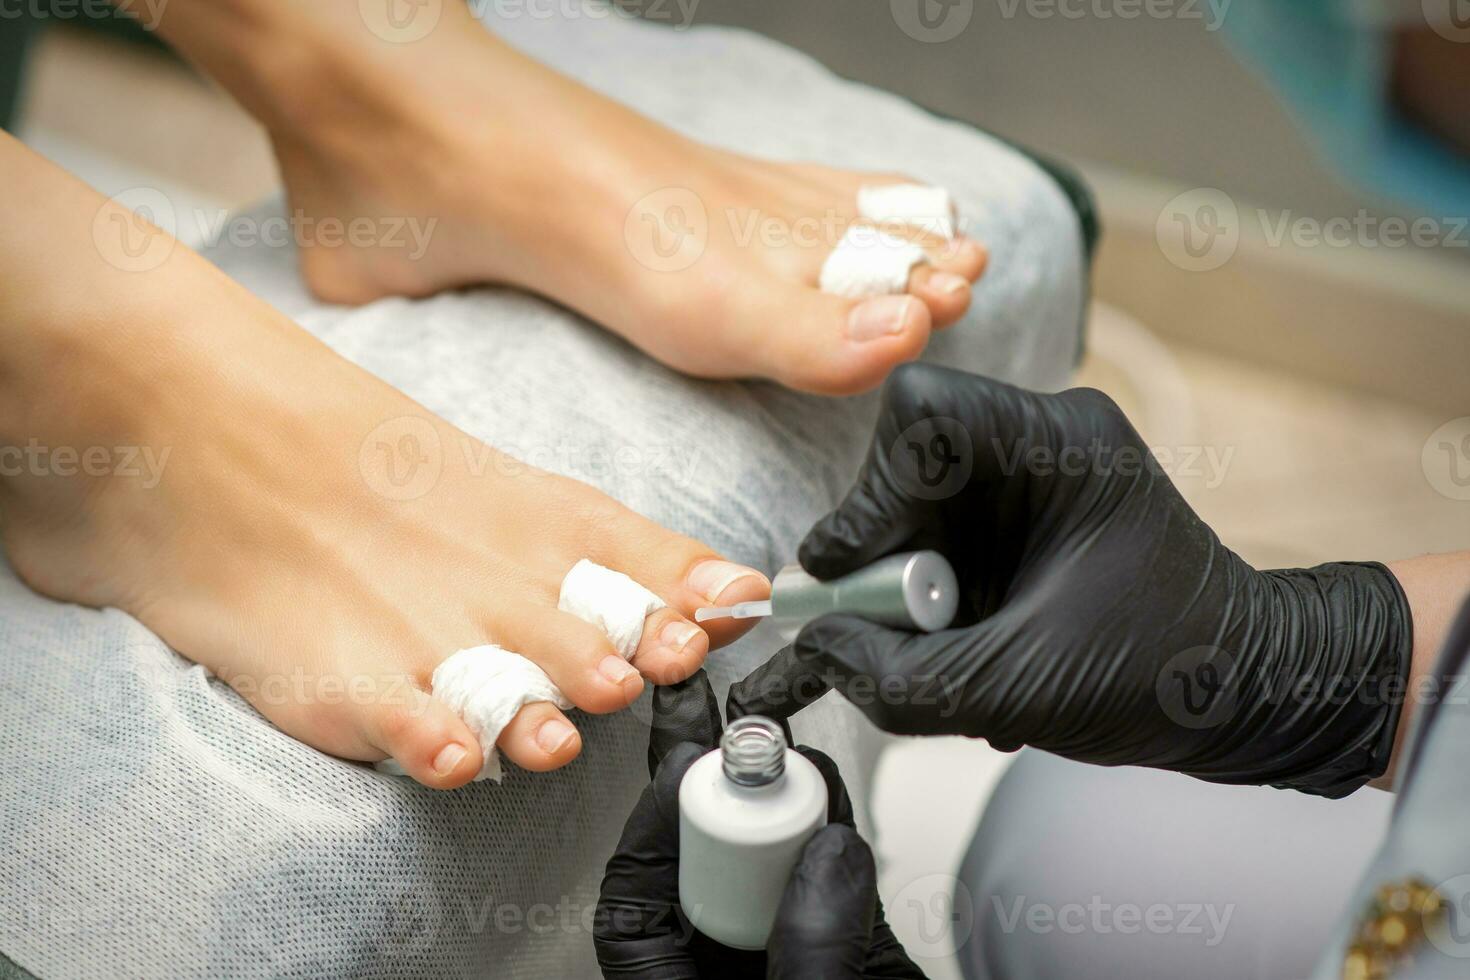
{"x": 511, "y": 173}
{"x": 279, "y": 541}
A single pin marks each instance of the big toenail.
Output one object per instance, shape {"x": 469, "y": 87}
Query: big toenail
{"x": 879, "y": 317}
{"x": 676, "y": 636}
{"x": 555, "y": 735}
{"x": 948, "y": 282}
{"x": 449, "y": 757}
{"x": 616, "y": 669}
{"x": 711, "y": 578}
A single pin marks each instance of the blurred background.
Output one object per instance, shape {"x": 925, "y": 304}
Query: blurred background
{"x": 1327, "y": 373}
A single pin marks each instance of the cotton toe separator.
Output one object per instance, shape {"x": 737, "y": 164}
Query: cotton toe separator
{"x": 871, "y": 262}
{"x": 609, "y": 600}
{"x": 924, "y": 207}
{"x": 868, "y": 262}
{"x": 487, "y": 685}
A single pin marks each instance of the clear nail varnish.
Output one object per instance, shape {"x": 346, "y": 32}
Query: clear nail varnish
{"x": 746, "y": 810}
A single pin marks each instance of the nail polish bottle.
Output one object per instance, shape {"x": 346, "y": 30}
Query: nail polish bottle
{"x": 746, "y": 810}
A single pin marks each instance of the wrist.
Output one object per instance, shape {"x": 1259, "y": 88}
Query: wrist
{"x": 1340, "y": 639}
{"x": 1435, "y": 586}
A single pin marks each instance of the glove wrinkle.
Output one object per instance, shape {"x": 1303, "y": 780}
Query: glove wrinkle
{"x": 637, "y": 929}
{"x": 887, "y": 959}
{"x": 683, "y": 712}
{"x": 777, "y": 689}
{"x": 825, "y": 921}
{"x": 839, "y": 803}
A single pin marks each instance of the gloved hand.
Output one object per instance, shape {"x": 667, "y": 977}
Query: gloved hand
{"x": 1100, "y": 618}
{"x": 830, "y": 925}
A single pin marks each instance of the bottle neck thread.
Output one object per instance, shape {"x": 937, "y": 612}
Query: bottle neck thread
{"x": 754, "y": 751}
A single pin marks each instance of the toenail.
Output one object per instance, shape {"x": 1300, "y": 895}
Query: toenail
{"x": 711, "y": 578}
{"x": 948, "y": 282}
{"x": 880, "y": 317}
{"x": 676, "y": 636}
{"x": 555, "y": 735}
{"x": 449, "y": 757}
{"x": 616, "y": 669}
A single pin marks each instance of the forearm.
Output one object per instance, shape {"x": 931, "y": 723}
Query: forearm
{"x": 1436, "y": 586}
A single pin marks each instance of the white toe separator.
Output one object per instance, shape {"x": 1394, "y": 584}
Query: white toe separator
{"x": 868, "y": 262}
{"x": 929, "y": 208}
{"x": 487, "y": 685}
{"x": 610, "y": 601}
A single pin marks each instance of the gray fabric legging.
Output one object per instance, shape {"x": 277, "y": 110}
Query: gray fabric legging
{"x": 1134, "y": 874}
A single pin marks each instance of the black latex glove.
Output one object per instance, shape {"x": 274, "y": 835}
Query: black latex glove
{"x": 1100, "y": 618}
{"x": 830, "y": 925}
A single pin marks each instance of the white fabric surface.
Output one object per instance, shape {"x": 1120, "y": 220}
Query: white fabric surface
{"x": 152, "y": 824}
{"x": 869, "y": 262}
